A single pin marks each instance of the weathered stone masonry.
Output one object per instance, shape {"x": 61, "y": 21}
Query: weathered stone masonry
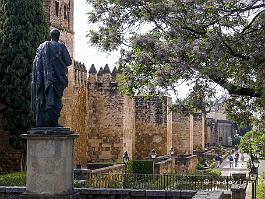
{"x": 199, "y": 129}
{"x": 182, "y": 134}
{"x": 108, "y": 123}
{"x": 153, "y": 124}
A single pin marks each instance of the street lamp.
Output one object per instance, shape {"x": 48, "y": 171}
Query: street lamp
{"x": 256, "y": 164}
{"x": 125, "y": 160}
{"x": 172, "y": 152}
{"x": 253, "y": 174}
{"x": 153, "y": 157}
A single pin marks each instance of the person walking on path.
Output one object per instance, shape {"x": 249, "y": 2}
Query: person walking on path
{"x": 231, "y": 160}
{"x": 242, "y": 158}
{"x": 236, "y": 159}
{"x": 218, "y": 160}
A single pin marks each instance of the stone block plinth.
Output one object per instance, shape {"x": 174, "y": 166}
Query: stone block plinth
{"x": 186, "y": 163}
{"x": 238, "y": 191}
{"x": 49, "y": 163}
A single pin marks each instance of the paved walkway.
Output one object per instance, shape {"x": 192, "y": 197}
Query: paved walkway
{"x": 240, "y": 168}
{"x": 261, "y": 167}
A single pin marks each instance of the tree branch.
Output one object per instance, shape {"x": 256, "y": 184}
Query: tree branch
{"x": 252, "y": 21}
{"x": 235, "y": 54}
{"x": 232, "y": 89}
{"x": 251, "y": 7}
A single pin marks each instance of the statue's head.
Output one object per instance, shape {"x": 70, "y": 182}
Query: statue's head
{"x": 55, "y": 34}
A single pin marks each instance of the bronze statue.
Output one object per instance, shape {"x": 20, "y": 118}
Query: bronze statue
{"x": 49, "y": 79}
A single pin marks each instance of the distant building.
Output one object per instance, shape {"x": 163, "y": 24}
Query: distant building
{"x": 220, "y": 131}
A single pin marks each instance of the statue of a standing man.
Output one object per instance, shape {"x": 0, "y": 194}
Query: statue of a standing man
{"x": 49, "y": 79}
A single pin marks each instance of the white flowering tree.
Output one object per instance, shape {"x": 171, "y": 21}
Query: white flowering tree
{"x": 203, "y": 43}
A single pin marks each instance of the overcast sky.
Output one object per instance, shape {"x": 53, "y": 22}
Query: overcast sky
{"x": 90, "y": 55}
{"x": 83, "y": 52}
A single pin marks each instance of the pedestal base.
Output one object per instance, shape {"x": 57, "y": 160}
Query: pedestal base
{"x": 49, "y": 163}
{"x": 47, "y": 196}
{"x": 186, "y": 164}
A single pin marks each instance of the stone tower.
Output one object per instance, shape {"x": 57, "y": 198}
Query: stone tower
{"x": 60, "y": 15}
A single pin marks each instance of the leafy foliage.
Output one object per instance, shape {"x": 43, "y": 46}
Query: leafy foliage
{"x": 215, "y": 173}
{"x": 236, "y": 140}
{"x": 245, "y": 143}
{"x": 202, "y": 43}
{"x": 13, "y": 179}
{"x": 261, "y": 187}
{"x": 200, "y": 166}
{"x": 22, "y": 29}
{"x": 253, "y": 142}
{"x": 140, "y": 166}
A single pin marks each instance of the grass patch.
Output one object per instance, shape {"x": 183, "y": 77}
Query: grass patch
{"x": 13, "y": 179}
{"x": 261, "y": 187}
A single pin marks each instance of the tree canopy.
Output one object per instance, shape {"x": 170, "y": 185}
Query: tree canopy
{"x": 22, "y": 28}
{"x": 203, "y": 43}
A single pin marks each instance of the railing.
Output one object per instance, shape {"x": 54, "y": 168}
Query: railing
{"x": 160, "y": 182}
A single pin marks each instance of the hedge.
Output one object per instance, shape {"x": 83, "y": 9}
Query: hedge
{"x": 140, "y": 166}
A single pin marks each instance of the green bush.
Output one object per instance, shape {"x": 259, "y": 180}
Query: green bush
{"x": 140, "y": 166}
{"x": 200, "y": 166}
{"x": 13, "y": 179}
{"x": 214, "y": 172}
{"x": 261, "y": 187}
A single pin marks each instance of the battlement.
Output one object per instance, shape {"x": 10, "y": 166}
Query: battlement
{"x": 102, "y": 79}
{"x": 80, "y": 74}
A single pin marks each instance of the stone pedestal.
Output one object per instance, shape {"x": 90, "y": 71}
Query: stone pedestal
{"x": 186, "y": 164}
{"x": 49, "y": 163}
{"x": 238, "y": 191}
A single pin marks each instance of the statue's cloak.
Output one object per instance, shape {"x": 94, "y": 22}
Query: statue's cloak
{"x": 49, "y": 79}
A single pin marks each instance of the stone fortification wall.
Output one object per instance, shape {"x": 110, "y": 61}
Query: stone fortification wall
{"x": 129, "y": 127}
{"x": 115, "y": 169}
{"x": 77, "y": 78}
{"x": 151, "y": 126}
{"x": 210, "y": 135}
{"x": 182, "y": 134}
{"x": 199, "y": 130}
{"x": 79, "y": 125}
{"x": 111, "y": 118}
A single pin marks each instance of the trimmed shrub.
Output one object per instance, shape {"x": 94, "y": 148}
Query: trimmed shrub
{"x": 200, "y": 166}
{"x": 214, "y": 172}
{"x": 13, "y": 179}
{"x": 140, "y": 166}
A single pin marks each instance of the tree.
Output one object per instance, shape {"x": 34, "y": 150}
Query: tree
{"x": 253, "y": 142}
{"x": 22, "y": 28}
{"x": 204, "y": 43}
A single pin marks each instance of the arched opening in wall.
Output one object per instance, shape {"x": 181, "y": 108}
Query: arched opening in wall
{"x": 57, "y": 8}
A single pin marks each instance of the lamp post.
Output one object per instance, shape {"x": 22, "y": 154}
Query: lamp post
{"x": 125, "y": 160}
{"x": 153, "y": 157}
{"x": 253, "y": 174}
{"x": 172, "y": 152}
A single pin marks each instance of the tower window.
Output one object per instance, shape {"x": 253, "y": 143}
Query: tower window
{"x": 57, "y": 8}
{"x": 65, "y": 12}
{"x": 75, "y": 75}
